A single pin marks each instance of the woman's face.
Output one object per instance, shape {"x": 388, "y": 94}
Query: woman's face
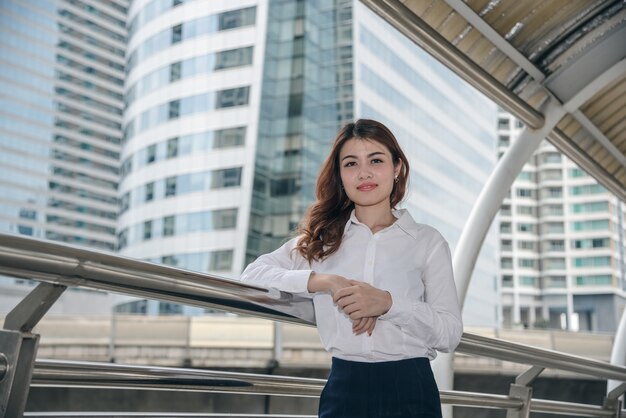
{"x": 367, "y": 172}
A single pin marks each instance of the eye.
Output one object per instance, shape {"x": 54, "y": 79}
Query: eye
{"x": 377, "y": 161}
{"x": 350, "y": 164}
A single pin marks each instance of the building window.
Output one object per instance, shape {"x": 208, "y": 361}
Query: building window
{"x": 175, "y": 71}
{"x": 232, "y": 97}
{"x": 147, "y": 230}
{"x": 507, "y": 281}
{"x": 591, "y": 243}
{"x": 601, "y": 261}
{"x": 551, "y": 157}
{"x": 527, "y": 263}
{"x": 526, "y": 175}
{"x": 555, "y": 245}
{"x": 172, "y": 147}
{"x": 554, "y": 264}
{"x": 232, "y": 137}
{"x": 552, "y": 210}
{"x": 149, "y": 192}
{"x": 525, "y": 227}
{"x": 595, "y": 280}
{"x": 221, "y": 260}
{"x": 527, "y": 281}
{"x": 503, "y": 124}
{"x": 230, "y": 177}
{"x": 225, "y": 218}
{"x": 169, "y": 224}
{"x": 524, "y": 192}
{"x": 506, "y": 263}
{"x": 590, "y": 207}
{"x": 170, "y": 186}
{"x": 174, "y": 109}
{"x": 505, "y": 227}
{"x": 150, "y": 154}
{"x": 527, "y": 245}
{"x": 233, "y": 58}
{"x": 526, "y": 210}
{"x": 506, "y": 245}
{"x": 596, "y": 225}
{"x": 587, "y": 189}
{"x": 554, "y": 282}
{"x": 177, "y": 34}
{"x": 553, "y": 228}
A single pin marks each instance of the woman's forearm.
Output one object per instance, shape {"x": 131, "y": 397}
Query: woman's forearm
{"x": 320, "y": 282}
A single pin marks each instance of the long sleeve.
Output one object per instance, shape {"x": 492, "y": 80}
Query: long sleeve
{"x": 279, "y": 270}
{"x": 437, "y": 319}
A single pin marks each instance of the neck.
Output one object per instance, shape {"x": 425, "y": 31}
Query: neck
{"x": 375, "y": 217}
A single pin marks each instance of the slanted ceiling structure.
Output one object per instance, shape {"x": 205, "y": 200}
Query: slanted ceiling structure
{"x": 523, "y": 53}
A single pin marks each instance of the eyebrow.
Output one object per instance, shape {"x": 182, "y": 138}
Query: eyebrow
{"x": 368, "y": 156}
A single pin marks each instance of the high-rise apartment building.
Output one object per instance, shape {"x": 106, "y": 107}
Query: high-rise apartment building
{"x": 561, "y": 245}
{"x": 230, "y": 110}
{"x": 61, "y": 89}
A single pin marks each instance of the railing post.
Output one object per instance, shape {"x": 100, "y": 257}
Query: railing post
{"x": 612, "y": 401}
{"x": 18, "y": 347}
{"x": 521, "y": 390}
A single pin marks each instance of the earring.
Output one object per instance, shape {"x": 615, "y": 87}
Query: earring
{"x": 396, "y": 179}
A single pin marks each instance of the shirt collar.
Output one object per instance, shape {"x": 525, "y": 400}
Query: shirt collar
{"x": 404, "y": 221}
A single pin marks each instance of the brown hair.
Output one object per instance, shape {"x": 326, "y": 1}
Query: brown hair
{"x": 321, "y": 230}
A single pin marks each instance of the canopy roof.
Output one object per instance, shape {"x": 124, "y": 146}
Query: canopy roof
{"x": 523, "y": 53}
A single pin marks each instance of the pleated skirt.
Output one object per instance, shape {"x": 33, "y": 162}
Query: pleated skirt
{"x": 390, "y": 389}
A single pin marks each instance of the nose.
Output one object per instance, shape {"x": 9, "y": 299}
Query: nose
{"x": 365, "y": 173}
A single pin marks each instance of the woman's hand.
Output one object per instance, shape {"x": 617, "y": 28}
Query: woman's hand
{"x": 326, "y": 283}
{"x": 361, "y": 300}
{"x": 362, "y": 325}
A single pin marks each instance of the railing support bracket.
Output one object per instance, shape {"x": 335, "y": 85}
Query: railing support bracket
{"x": 18, "y": 347}
{"x": 521, "y": 390}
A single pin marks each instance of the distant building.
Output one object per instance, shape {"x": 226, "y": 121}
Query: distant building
{"x": 61, "y": 78}
{"x": 561, "y": 245}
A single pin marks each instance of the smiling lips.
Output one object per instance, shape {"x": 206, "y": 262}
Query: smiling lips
{"x": 366, "y": 187}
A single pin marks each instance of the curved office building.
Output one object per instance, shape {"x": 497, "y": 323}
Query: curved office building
{"x": 189, "y": 121}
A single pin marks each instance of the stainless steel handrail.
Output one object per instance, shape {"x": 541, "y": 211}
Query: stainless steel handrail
{"x": 527, "y": 354}
{"x": 62, "y": 373}
{"x": 63, "y": 264}
{"x": 58, "y": 373}
{"x": 52, "y": 262}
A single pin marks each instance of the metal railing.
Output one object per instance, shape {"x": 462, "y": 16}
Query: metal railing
{"x": 58, "y": 266}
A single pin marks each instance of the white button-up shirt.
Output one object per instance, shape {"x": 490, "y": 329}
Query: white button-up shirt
{"x": 409, "y": 260}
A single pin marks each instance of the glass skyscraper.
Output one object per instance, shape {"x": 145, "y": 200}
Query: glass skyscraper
{"x": 61, "y": 109}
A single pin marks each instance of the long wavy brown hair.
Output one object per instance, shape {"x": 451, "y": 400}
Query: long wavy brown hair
{"x": 321, "y": 230}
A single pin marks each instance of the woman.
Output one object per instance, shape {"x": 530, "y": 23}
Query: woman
{"x": 381, "y": 284}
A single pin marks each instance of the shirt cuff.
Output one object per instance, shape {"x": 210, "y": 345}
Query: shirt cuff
{"x": 400, "y": 311}
{"x": 296, "y": 281}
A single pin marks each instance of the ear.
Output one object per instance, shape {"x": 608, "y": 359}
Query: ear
{"x": 397, "y": 168}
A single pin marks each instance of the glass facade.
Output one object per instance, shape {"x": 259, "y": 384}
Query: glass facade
{"x": 306, "y": 96}
{"x": 61, "y": 72}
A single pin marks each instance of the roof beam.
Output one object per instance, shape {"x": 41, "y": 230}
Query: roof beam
{"x": 494, "y": 37}
{"x": 598, "y": 84}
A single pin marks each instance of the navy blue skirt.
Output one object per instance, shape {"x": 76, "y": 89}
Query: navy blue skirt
{"x": 390, "y": 389}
